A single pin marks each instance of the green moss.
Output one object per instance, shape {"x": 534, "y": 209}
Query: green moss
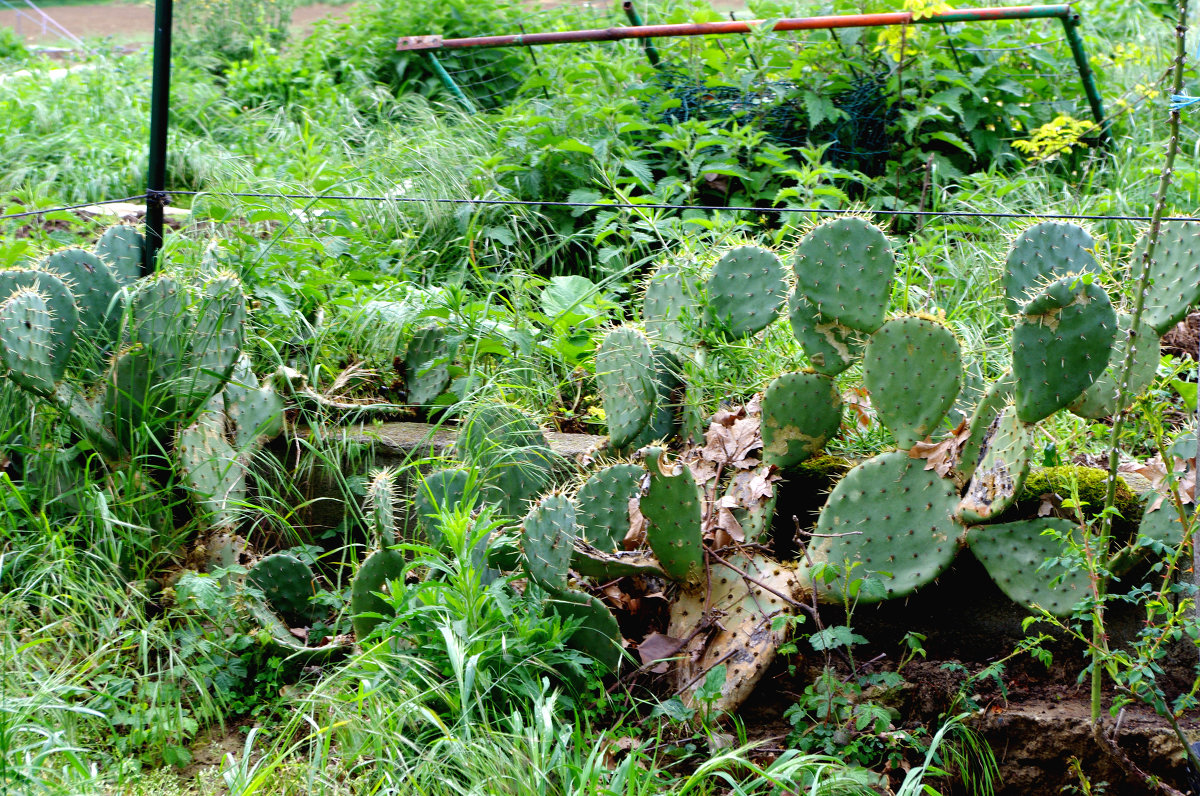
{"x": 1092, "y": 485}
{"x": 824, "y": 469}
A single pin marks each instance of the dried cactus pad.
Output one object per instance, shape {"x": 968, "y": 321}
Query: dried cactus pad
{"x": 800, "y": 413}
{"x": 845, "y": 269}
{"x": 1001, "y": 470}
{"x": 891, "y": 521}
{"x": 745, "y": 289}
{"x": 1061, "y": 344}
{"x": 1013, "y": 554}
{"x": 913, "y": 370}
{"x": 1042, "y": 253}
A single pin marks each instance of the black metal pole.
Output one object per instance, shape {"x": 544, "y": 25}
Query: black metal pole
{"x": 160, "y": 100}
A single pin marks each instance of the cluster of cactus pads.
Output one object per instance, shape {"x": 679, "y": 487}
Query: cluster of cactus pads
{"x": 137, "y": 364}
{"x": 896, "y": 521}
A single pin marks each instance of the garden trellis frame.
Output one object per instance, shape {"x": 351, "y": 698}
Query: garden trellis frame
{"x": 1069, "y": 17}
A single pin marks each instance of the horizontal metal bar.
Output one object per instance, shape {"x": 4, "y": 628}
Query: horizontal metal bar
{"x": 711, "y": 28}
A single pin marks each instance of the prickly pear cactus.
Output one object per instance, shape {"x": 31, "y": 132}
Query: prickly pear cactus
{"x": 510, "y": 452}
{"x": 120, "y": 248}
{"x": 667, "y": 301}
{"x": 744, "y": 291}
{"x": 212, "y": 471}
{"x": 597, "y": 635}
{"x": 1013, "y": 554}
{"x": 441, "y": 491}
{"x": 60, "y": 305}
{"x": 287, "y": 583}
{"x": 132, "y": 397}
{"x": 549, "y": 530}
{"x": 671, "y": 506}
{"x": 1175, "y": 288}
{"x": 891, "y": 520}
{"x": 845, "y": 268}
{"x": 1161, "y": 524}
{"x": 374, "y": 578}
{"x": 381, "y": 507}
{"x": 254, "y": 411}
{"x": 801, "y": 412}
{"x": 1044, "y": 252}
{"x": 1061, "y": 344}
{"x": 913, "y": 369}
{"x": 625, "y": 372}
{"x": 746, "y": 638}
{"x": 1100, "y": 399}
{"x": 668, "y": 383}
{"x": 427, "y": 365}
{"x": 27, "y": 342}
{"x": 990, "y": 405}
{"x": 215, "y": 343}
{"x": 603, "y": 505}
{"x": 93, "y": 285}
{"x": 830, "y": 346}
{"x": 1001, "y": 471}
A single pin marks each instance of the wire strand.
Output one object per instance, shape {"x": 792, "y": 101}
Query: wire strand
{"x": 140, "y": 196}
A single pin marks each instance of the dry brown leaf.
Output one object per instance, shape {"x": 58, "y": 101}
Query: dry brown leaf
{"x": 635, "y": 537}
{"x": 1050, "y": 502}
{"x": 858, "y": 403}
{"x": 942, "y": 456}
{"x": 659, "y": 647}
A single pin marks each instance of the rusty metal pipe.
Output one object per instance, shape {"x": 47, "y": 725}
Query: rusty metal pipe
{"x": 717, "y": 28}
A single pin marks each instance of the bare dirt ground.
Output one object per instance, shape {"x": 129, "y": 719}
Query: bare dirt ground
{"x": 128, "y": 23}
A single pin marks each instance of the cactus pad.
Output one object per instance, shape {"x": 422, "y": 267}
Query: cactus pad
{"x": 381, "y": 507}
{"x": 549, "y": 531}
{"x": 672, "y": 510}
{"x": 1013, "y": 554}
{"x": 830, "y": 346}
{"x": 801, "y": 412}
{"x": 212, "y": 472}
{"x": 1176, "y": 286}
{"x": 746, "y": 639}
{"x": 891, "y": 520}
{"x": 92, "y": 284}
{"x": 1161, "y": 524}
{"x": 597, "y": 634}
{"x": 1001, "y": 470}
{"x": 427, "y": 365}
{"x": 440, "y": 491}
{"x": 990, "y": 405}
{"x": 131, "y": 396}
{"x": 1044, "y": 252}
{"x": 1061, "y": 344}
{"x": 287, "y": 583}
{"x": 27, "y": 342}
{"x": 373, "y": 578}
{"x": 510, "y": 452}
{"x": 1100, "y": 399}
{"x": 845, "y": 269}
{"x": 603, "y": 505}
{"x": 60, "y": 304}
{"x": 120, "y": 248}
{"x": 744, "y": 291}
{"x": 625, "y": 372}
{"x": 592, "y": 562}
{"x": 255, "y": 412}
{"x": 913, "y": 370}
{"x": 665, "y": 303}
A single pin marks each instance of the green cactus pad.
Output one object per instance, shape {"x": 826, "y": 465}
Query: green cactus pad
{"x": 1061, "y": 344}
{"x": 990, "y": 405}
{"x": 625, "y": 372}
{"x": 592, "y": 562}
{"x": 1013, "y": 554}
{"x": 1001, "y": 470}
{"x": 381, "y": 507}
{"x": 830, "y": 346}
{"x": 672, "y": 510}
{"x": 801, "y": 412}
{"x": 427, "y": 365}
{"x": 1161, "y": 524}
{"x": 27, "y": 342}
{"x": 746, "y": 638}
{"x": 603, "y": 505}
{"x": 1044, "y": 252}
{"x": 598, "y": 635}
{"x": 1100, "y": 399}
{"x": 60, "y": 304}
{"x": 161, "y": 321}
{"x": 212, "y": 472}
{"x": 255, "y": 412}
{"x": 845, "y": 269}
{"x": 440, "y": 491}
{"x": 131, "y": 397}
{"x": 120, "y": 248}
{"x": 549, "y": 531}
{"x": 667, "y": 301}
{"x": 744, "y": 291}
{"x": 510, "y": 452}
{"x": 373, "y": 578}
{"x": 668, "y": 383}
{"x": 889, "y": 519}
{"x": 1176, "y": 286}
{"x": 287, "y": 583}
{"x": 92, "y": 284}
{"x": 913, "y": 370}
{"x": 216, "y": 342}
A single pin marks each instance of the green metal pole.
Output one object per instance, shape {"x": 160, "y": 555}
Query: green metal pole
{"x": 1071, "y": 28}
{"x": 160, "y": 101}
{"x": 635, "y": 19}
{"x": 449, "y": 83}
